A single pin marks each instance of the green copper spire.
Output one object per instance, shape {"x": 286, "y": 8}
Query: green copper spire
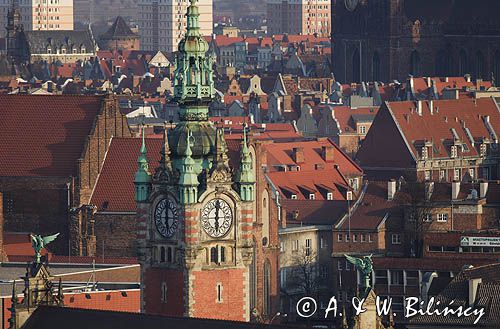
{"x": 193, "y": 83}
{"x": 188, "y": 180}
{"x": 246, "y": 177}
{"x": 142, "y": 179}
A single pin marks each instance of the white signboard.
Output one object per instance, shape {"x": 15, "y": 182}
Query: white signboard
{"x": 478, "y": 241}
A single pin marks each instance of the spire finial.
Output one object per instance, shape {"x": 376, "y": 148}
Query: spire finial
{"x": 143, "y": 146}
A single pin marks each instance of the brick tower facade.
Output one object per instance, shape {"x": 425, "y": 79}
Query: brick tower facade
{"x": 194, "y": 213}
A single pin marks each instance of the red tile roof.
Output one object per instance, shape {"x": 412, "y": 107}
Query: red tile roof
{"x": 313, "y": 212}
{"x": 114, "y": 191}
{"x": 44, "y": 135}
{"x": 344, "y": 116}
{"x": 281, "y": 154}
{"x": 447, "y": 115}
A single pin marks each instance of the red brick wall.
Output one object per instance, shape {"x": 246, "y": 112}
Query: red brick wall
{"x": 116, "y": 235}
{"x": 233, "y": 294}
{"x": 153, "y": 279}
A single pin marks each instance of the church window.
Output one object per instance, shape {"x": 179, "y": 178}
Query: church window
{"x": 415, "y": 64}
{"x": 479, "y": 65}
{"x": 496, "y": 67}
{"x": 267, "y": 288}
{"x": 462, "y": 63}
{"x": 213, "y": 255}
{"x": 169, "y": 255}
{"x": 376, "y": 67}
{"x": 356, "y": 66}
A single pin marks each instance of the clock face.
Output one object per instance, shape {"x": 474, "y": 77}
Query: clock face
{"x": 216, "y": 218}
{"x": 166, "y": 218}
{"x": 351, "y": 4}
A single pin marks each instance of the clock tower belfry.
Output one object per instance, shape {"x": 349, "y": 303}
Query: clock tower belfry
{"x": 195, "y": 223}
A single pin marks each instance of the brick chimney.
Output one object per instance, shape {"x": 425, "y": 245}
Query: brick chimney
{"x": 298, "y": 154}
{"x": 327, "y": 153}
{"x": 391, "y": 189}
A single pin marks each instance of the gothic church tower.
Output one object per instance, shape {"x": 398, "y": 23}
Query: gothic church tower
{"x": 194, "y": 212}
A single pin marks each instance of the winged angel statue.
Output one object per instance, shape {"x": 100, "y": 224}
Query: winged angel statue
{"x": 38, "y": 243}
{"x": 364, "y": 265}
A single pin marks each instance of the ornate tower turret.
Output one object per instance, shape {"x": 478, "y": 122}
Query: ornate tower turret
{"x": 188, "y": 180}
{"x": 13, "y": 27}
{"x": 246, "y": 177}
{"x": 142, "y": 179}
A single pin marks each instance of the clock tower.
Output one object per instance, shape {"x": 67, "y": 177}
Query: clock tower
{"x": 195, "y": 212}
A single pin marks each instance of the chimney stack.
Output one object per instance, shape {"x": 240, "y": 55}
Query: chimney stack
{"x": 483, "y": 189}
{"x": 391, "y": 189}
{"x": 419, "y": 107}
{"x": 455, "y": 190}
{"x": 298, "y": 155}
{"x": 431, "y": 106}
{"x": 327, "y": 153}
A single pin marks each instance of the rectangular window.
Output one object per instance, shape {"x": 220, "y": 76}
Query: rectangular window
{"x": 308, "y": 247}
{"x": 454, "y": 153}
{"x": 396, "y": 239}
{"x": 427, "y": 175}
{"x": 323, "y": 271}
{"x": 219, "y": 293}
{"x": 347, "y": 238}
{"x": 442, "y": 218}
{"x": 456, "y": 175}
{"x": 370, "y": 238}
{"x": 295, "y": 245}
{"x": 329, "y": 196}
{"x": 363, "y": 237}
{"x": 339, "y": 265}
{"x": 396, "y": 278}
{"x": 381, "y": 277}
{"x": 412, "y": 278}
{"x": 339, "y": 237}
{"x": 282, "y": 246}
{"x": 442, "y": 175}
{"x": 472, "y": 173}
{"x": 347, "y": 266}
{"x": 428, "y": 218}
{"x": 322, "y": 243}
{"x": 354, "y": 238}
{"x": 362, "y": 130}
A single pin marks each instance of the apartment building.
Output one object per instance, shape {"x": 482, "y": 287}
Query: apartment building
{"x": 40, "y": 14}
{"x": 162, "y": 23}
{"x": 299, "y": 17}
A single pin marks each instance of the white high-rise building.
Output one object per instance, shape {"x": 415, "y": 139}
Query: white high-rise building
{"x": 40, "y": 14}
{"x": 162, "y": 23}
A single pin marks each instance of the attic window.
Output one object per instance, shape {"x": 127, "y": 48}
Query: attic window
{"x": 312, "y": 196}
{"x": 483, "y": 149}
{"x": 329, "y": 196}
{"x": 349, "y": 196}
{"x": 294, "y": 197}
{"x": 425, "y": 153}
{"x": 49, "y": 50}
{"x": 465, "y": 148}
{"x": 454, "y": 152}
{"x": 74, "y": 51}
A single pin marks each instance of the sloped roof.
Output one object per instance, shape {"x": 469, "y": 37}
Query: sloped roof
{"x": 114, "y": 190}
{"x": 44, "y": 135}
{"x": 314, "y": 212}
{"x": 38, "y": 40}
{"x": 119, "y": 29}
{"x": 446, "y": 115}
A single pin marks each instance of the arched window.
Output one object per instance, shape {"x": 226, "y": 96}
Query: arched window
{"x": 213, "y": 255}
{"x": 162, "y": 254}
{"x": 356, "y": 66}
{"x": 169, "y": 255}
{"x": 415, "y": 64}
{"x": 496, "y": 67}
{"x": 376, "y": 67}
{"x": 479, "y": 65}
{"x": 222, "y": 257}
{"x": 462, "y": 63}
{"x": 441, "y": 62}
{"x": 267, "y": 288}
{"x": 164, "y": 290}
{"x": 265, "y": 218}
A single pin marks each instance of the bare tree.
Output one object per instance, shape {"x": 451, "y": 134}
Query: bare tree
{"x": 305, "y": 277}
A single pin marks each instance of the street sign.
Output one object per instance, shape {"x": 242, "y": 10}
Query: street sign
{"x": 478, "y": 241}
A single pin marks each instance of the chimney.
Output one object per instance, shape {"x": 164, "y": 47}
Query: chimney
{"x": 298, "y": 154}
{"x": 419, "y": 108}
{"x": 473, "y": 288}
{"x": 467, "y": 78}
{"x": 431, "y": 106}
{"x": 327, "y": 153}
{"x": 391, "y": 189}
{"x": 429, "y": 82}
{"x": 455, "y": 190}
{"x": 483, "y": 189}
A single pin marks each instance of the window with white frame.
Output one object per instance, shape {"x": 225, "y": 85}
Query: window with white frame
{"x": 339, "y": 237}
{"x": 428, "y": 218}
{"x": 339, "y": 265}
{"x": 322, "y": 243}
{"x": 323, "y": 271}
{"x": 362, "y": 130}
{"x": 363, "y": 237}
{"x": 454, "y": 152}
{"x": 457, "y": 175}
{"x": 312, "y": 196}
{"x": 427, "y": 175}
{"x": 442, "y": 175}
{"x": 370, "y": 239}
{"x": 347, "y": 265}
{"x": 354, "y": 238}
{"x": 347, "y": 238}
{"x": 308, "y": 247}
{"x": 424, "y": 153}
{"x": 295, "y": 245}
{"x": 329, "y": 196}
{"x": 472, "y": 173}
{"x": 282, "y": 246}
{"x": 443, "y": 217}
{"x": 396, "y": 239}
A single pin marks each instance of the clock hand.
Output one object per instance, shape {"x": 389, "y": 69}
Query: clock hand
{"x": 217, "y": 207}
{"x": 167, "y": 225}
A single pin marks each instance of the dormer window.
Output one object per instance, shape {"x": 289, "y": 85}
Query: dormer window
{"x": 329, "y": 196}
{"x": 425, "y": 153}
{"x": 312, "y": 196}
{"x": 483, "y": 149}
{"x": 294, "y": 197}
{"x": 454, "y": 151}
{"x": 83, "y": 50}
{"x": 63, "y": 50}
{"x": 349, "y": 196}
{"x": 49, "y": 50}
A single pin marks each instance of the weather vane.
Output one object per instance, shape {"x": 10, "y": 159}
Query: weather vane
{"x": 38, "y": 243}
